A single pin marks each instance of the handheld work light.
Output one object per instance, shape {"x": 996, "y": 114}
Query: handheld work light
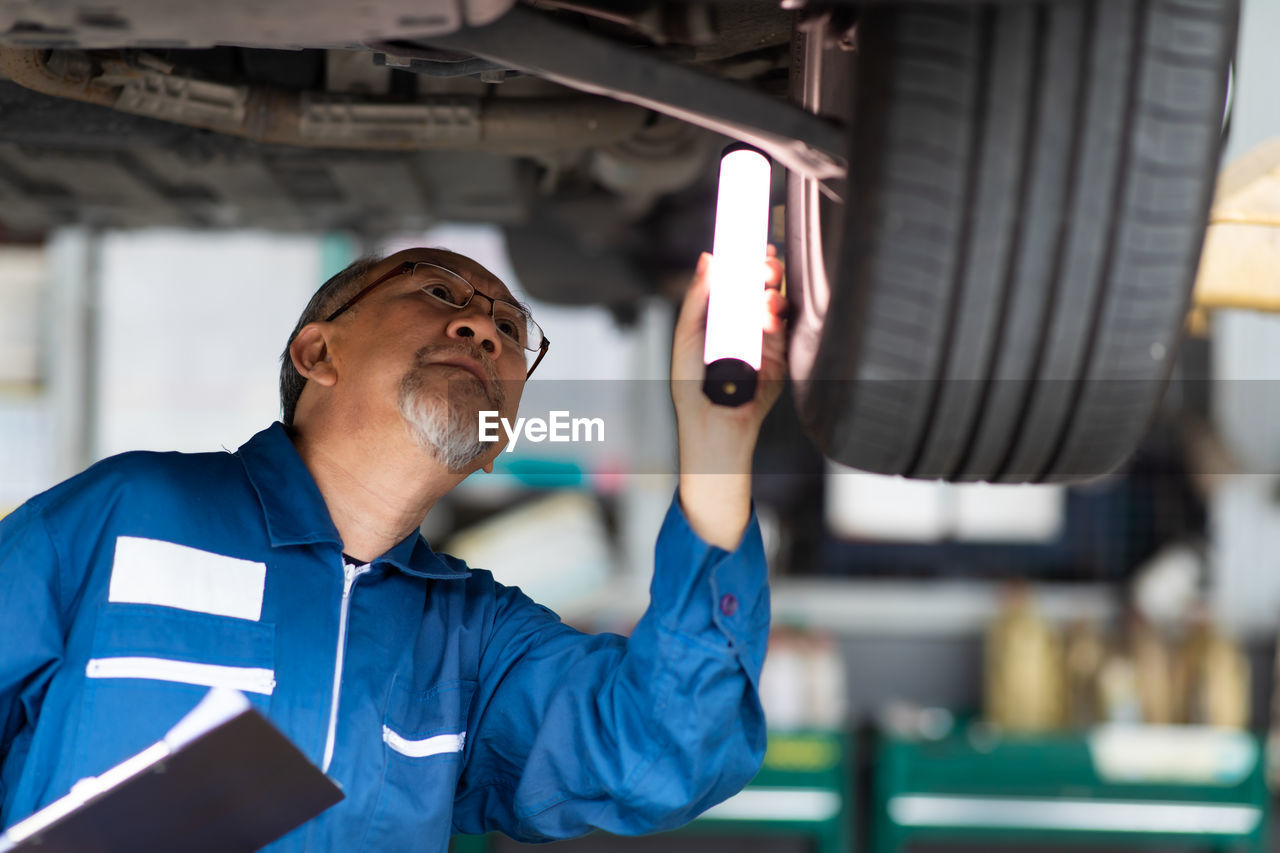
{"x": 735, "y": 316}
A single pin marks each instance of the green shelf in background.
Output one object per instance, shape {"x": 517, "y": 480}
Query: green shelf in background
{"x": 1143, "y": 787}
{"x": 804, "y": 788}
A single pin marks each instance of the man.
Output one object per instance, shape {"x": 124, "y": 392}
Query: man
{"x": 440, "y": 700}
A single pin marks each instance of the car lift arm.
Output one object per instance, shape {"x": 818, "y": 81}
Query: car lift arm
{"x": 533, "y": 42}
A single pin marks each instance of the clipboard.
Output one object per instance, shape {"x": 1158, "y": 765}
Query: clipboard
{"x": 222, "y": 779}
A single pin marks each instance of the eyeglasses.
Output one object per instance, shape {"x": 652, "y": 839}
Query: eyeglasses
{"x": 513, "y": 322}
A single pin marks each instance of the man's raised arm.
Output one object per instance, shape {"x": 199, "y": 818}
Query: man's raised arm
{"x": 571, "y": 732}
{"x": 716, "y": 442}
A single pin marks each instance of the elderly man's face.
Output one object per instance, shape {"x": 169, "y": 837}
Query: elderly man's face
{"x": 437, "y": 365}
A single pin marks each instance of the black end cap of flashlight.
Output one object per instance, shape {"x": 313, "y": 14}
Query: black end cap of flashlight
{"x": 729, "y": 382}
{"x": 745, "y": 146}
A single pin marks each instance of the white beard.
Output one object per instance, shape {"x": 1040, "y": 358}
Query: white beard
{"x": 449, "y": 433}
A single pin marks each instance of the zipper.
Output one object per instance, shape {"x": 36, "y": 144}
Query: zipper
{"x": 349, "y": 575}
{"x": 246, "y": 678}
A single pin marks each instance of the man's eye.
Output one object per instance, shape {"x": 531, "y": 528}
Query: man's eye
{"x": 441, "y": 292}
{"x": 510, "y": 329}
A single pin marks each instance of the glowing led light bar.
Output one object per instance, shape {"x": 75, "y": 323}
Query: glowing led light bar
{"x": 735, "y": 313}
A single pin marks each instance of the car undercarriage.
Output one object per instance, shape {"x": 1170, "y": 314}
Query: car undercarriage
{"x": 993, "y": 209}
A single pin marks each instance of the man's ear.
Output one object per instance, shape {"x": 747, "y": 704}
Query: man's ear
{"x": 310, "y": 354}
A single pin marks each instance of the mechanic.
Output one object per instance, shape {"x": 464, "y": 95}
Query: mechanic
{"x": 440, "y": 700}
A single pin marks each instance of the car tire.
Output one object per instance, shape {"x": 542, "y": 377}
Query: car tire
{"x": 999, "y": 291}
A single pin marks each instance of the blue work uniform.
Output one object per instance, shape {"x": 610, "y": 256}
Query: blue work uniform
{"x": 461, "y": 705}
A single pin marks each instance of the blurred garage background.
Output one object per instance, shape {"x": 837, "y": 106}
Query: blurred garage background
{"x": 951, "y": 665}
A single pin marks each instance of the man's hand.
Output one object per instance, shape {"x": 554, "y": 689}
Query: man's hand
{"x": 717, "y": 442}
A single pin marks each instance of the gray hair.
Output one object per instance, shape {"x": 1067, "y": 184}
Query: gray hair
{"x": 331, "y": 294}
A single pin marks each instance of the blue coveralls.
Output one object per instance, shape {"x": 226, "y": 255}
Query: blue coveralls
{"x": 462, "y": 706}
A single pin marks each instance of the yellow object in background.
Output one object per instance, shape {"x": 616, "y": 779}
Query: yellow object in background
{"x": 1153, "y": 671}
{"x": 1024, "y": 676}
{"x": 1213, "y": 679}
{"x": 1034, "y": 681}
{"x": 1086, "y": 651}
{"x": 1240, "y": 262}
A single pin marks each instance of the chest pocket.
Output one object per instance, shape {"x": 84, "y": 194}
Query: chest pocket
{"x": 150, "y": 665}
{"x": 423, "y": 736}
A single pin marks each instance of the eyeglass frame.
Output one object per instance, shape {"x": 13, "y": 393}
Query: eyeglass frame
{"x": 408, "y": 267}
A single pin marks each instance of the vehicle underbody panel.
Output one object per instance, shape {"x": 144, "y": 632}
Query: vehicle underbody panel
{"x": 247, "y": 23}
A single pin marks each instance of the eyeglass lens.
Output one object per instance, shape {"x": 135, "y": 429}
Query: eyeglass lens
{"x": 452, "y": 289}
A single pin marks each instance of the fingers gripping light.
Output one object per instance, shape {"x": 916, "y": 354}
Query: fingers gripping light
{"x": 735, "y": 318}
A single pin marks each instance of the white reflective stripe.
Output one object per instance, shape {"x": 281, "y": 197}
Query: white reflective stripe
{"x": 809, "y": 804}
{"x": 151, "y": 571}
{"x": 247, "y": 678}
{"x": 1074, "y": 815}
{"x": 427, "y": 746}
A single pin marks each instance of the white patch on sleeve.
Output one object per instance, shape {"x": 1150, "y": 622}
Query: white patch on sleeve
{"x": 149, "y": 571}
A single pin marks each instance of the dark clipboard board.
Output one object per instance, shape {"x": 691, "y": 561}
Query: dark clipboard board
{"x": 224, "y": 779}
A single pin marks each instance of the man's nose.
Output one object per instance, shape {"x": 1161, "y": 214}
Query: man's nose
{"x": 478, "y": 327}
